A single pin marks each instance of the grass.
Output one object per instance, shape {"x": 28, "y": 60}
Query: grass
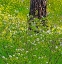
{"x": 21, "y": 46}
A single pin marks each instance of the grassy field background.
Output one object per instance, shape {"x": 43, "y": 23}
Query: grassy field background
{"x": 18, "y": 45}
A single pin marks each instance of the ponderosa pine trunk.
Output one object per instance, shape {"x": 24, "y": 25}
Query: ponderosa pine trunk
{"x": 38, "y": 8}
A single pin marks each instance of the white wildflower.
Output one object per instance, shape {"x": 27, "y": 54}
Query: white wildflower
{"x": 10, "y": 56}
{"x": 3, "y": 57}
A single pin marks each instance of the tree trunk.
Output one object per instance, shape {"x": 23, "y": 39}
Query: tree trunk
{"x": 38, "y": 8}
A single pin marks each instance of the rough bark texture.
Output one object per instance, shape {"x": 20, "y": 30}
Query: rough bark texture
{"x": 38, "y": 8}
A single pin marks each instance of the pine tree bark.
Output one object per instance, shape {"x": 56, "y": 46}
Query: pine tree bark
{"x": 38, "y": 8}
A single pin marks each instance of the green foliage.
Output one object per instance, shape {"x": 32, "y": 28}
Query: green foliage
{"x": 18, "y": 45}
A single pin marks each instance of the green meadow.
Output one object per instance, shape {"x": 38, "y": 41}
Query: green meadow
{"x": 18, "y": 45}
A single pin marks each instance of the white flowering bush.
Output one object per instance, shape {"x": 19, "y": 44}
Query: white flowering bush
{"x": 18, "y": 45}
